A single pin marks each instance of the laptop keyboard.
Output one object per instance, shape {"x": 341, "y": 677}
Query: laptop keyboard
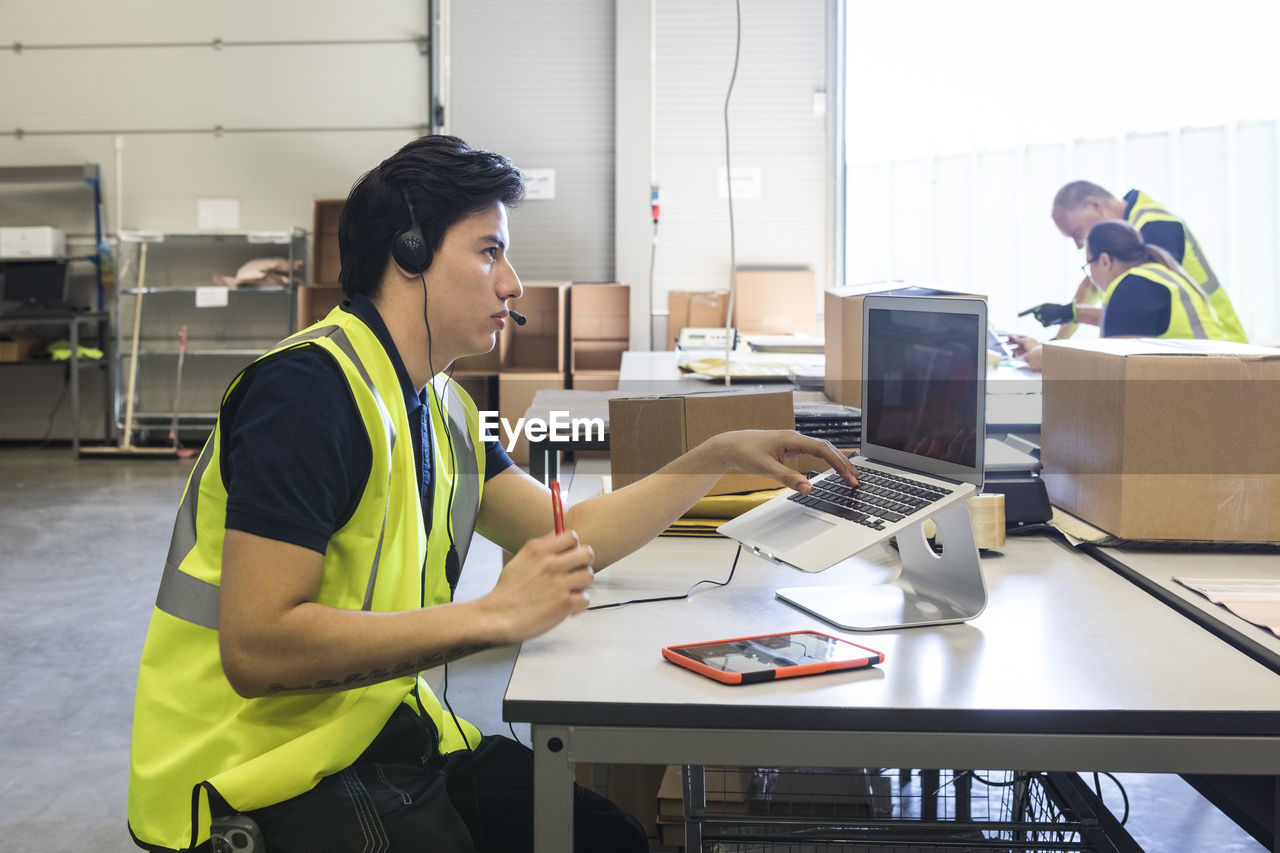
{"x": 878, "y": 498}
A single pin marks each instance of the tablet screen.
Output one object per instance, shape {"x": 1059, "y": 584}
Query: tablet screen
{"x": 758, "y": 654}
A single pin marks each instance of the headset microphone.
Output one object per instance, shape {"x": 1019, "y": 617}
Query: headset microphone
{"x": 518, "y": 317}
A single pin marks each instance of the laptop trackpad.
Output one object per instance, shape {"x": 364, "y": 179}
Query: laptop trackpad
{"x": 787, "y": 530}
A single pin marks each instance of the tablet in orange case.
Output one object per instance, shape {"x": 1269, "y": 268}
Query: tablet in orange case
{"x": 766, "y": 657}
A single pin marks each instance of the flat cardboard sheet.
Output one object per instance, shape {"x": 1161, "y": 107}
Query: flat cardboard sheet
{"x": 1255, "y": 600}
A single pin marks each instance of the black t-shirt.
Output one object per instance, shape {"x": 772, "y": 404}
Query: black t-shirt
{"x": 1168, "y": 235}
{"x": 296, "y": 455}
{"x": 1138, "y": 306}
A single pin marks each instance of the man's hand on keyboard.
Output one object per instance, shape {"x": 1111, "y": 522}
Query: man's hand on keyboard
{"x": 766, "y": 451}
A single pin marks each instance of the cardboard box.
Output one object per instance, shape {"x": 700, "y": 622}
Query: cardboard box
{"x": 842, "y": 331}
{"x": 596, "y": 355}
{"x": 775, "y": 302}
{"x": 515, "y": 395}
{"x": 483, "y": 388}
{"x": 315, "y": 301}
{"x": 19, "y": 345}
{"x": 691, "y": 308}
{"x": 35, "y": 242}
{"x": 487, "y": 364}
{"x": 595, "y": 380}
{"x": 325, "y": 260}
{"x": 1164, "y": 439}
{"x": 646, "y": 433}
{"x": 541, "y": 343}
{"x": 599, "y": 312}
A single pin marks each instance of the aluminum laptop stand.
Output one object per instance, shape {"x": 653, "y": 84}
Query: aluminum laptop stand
{"x": 931, "y": 589}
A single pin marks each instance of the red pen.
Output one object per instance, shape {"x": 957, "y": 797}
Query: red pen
{"x": 557, "y": 509}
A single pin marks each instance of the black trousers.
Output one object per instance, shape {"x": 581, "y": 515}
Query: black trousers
{"x": 402, "y": 795}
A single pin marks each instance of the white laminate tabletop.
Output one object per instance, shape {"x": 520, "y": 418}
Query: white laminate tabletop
{"x": 1065, "y": 645}
{"x": 1161, "y": 567}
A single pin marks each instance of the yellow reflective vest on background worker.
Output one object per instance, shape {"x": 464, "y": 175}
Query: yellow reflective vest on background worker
{"x": 1145, "y": 209}
{"x": 1189, "y": 313}
{"x": 190, "y": 728}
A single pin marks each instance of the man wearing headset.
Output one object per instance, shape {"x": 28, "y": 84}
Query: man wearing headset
{"x": 310, "y": 576}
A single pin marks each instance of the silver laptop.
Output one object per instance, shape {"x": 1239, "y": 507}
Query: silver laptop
{"x": 923, "y": 437}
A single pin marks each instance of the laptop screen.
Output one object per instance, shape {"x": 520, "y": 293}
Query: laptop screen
{"x": 924, "y": 384}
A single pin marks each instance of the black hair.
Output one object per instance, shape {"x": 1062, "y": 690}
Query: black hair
{"x": 1074, "y": 195}
{"x": 1123, "y": 242}
{"x": 445, "y": 180}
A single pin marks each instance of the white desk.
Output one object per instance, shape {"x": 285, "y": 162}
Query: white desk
{"x": 1071, "y": 667}
{"x": 1155, "y": 571}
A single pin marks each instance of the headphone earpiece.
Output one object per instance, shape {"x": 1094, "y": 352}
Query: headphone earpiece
{"x": 408, "y": 249}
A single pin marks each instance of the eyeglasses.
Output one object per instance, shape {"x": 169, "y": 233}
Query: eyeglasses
{"x": 1084, "y": 268}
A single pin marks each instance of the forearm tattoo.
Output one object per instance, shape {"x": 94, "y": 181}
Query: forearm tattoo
{"x": 379, "y": 674}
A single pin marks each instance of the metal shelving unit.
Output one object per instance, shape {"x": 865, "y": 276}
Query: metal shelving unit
{"x": 166, "y": 284}
{"x": 41, "y": 181}
{"x": 68, "y": 197}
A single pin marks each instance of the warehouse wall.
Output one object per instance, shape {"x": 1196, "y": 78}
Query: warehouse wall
{"x": 534, "y": 81}
{"x": 305, "y": 96}
{"x": 308, "y": 96}
{"x": 348, "y": 80}
{"x": 777, "y": 136}
{"x": 538, "y": 81}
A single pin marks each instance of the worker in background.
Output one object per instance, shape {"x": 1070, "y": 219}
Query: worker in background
{"x": 1145, "y": 292}
{"x": 310, "y": 577}
{"x": 1080, "y": 205}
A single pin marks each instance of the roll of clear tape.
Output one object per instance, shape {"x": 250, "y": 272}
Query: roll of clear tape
{"x": 986, "y": 512}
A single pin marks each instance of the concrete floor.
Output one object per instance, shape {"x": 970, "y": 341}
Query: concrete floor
{"x": 81, "y": 547}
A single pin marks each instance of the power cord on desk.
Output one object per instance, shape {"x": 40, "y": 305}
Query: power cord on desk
{"x": 687, "y": 593}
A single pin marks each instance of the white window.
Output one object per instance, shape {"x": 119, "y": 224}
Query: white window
{"x": 963, "y": 119}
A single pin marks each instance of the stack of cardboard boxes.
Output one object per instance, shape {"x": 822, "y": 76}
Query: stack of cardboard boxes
{"x": 600, "y": 330}
{"x": 766, "y": 302}
{"x": 531, "y": 358}
{"x": 322, "y": 293}
{"x": 692, "y": 309}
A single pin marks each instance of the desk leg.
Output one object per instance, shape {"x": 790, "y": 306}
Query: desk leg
{"x": 552, "y": 789}
{"x": 695, "y": 805}
{"x": 107, "y": 375}
{"x": 75, "y": 388}
{"x": 538, "y": 454}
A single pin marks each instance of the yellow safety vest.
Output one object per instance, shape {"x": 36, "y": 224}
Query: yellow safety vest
{"x": 1189, "y": 313}
{"x": 1144, "y": 210}
{"x": 190, "y": 728}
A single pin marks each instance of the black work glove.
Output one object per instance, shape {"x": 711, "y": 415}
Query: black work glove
{"x": 1052, "y": 314}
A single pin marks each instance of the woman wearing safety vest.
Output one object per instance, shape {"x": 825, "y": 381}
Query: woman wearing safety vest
{"x": 1080, "y": 205}
{"x": 1145, "y": 292}
{"x": 309, "y": 580}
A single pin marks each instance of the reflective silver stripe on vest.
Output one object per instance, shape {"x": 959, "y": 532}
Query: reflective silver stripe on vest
{"x": 340, "y": 339}
{"x": 187, "y": 597}
{"x": 1211, "y": 282}
{"x": 182, "y": 595}
{"x": 466, "y": 475}
{"x": 1193, "y": 316}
